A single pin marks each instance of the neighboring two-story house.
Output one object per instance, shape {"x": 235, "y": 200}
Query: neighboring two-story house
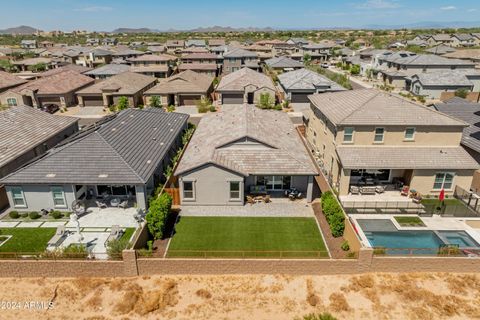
{"x": 368, "y": 135}
{"x": 158, "y": 66}
{"x": 235, "y": 59}
{"x": 205, "y": 63}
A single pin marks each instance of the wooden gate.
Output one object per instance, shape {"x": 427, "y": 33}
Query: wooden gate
{"x": 175, "y": 194}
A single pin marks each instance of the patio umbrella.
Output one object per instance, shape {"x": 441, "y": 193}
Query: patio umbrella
{"x": 441, "y": 196}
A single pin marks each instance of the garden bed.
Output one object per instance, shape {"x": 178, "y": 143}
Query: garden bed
{"x": 409, "y": 221}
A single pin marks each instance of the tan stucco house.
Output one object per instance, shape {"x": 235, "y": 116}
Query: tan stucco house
{"x": 370, "y": 135}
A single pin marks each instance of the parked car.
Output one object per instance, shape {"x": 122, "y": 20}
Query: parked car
{"x": 325, "y": 65}
{"x": 50, "y": 108}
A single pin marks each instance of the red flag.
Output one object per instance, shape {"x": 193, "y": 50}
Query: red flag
{"x": 441, "y": 196}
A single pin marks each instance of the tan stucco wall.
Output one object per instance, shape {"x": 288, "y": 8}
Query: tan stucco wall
{"x": 422, "y": 180}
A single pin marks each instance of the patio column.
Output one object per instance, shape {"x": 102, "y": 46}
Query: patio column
{"x": 141, "y": 197}
{"x": 310, "y": 189}
{"x": 344, "y": 182}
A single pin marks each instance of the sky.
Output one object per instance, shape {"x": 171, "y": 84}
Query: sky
{"x": 106, "y": 15}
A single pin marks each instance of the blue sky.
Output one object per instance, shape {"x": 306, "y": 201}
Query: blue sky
{"x": 184, "y": 14}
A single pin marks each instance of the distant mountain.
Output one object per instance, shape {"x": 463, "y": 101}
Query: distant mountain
{"x": 19, "y": 30}
{"x": 427, "y": 25}
{"x": 223, "y": 29}
{"x": 134, "y": 30}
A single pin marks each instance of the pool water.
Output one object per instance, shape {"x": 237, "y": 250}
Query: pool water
{"x": 460, "y": 238}
{"x": 404, "y": 239}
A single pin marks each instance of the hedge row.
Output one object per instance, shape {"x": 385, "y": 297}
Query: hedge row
{"x": 334, "y": 214}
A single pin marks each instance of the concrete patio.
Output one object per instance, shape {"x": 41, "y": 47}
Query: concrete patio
{"x": 105, "y": 218}
{"x": 279, "y": 207}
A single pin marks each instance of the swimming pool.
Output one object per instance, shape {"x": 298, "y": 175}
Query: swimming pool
{"x": 460, "y": 238}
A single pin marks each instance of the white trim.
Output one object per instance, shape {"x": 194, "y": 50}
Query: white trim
{"x": 23, "y": 198}
{"x": 193, "y": 198}
{"x": 62, "y": 190}
{"x": 353, "y": 135}
{"x": 443, "y": 182}
{"x": 405, "y": 134}
{"x": 375, "y": 135}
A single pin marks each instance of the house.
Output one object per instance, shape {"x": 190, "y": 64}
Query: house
{"x": 216, "y": 42}
{"x": 46, "y": 44}
{"x": 174, "y": 46}
{"x": 468, "y": 112}
{"x": 126, "y": 53}
{"x": 68, "y": 67}
{"x": 299, "y": 42}
{"x": 238, "y": 149}
{"x": 244, "y": 86}
{"x": 235, "y": 59}
{"x": 107, "y": 71}
{"x": 299, "y": 84}
{"x": 281, "y": 64}
{"x": 440, "y": 50}
{"x": 58, "y": 89}
{"x": 107, "y": 92}
{"x": 198, "y": 43}
{"x": 317, "y": 52}
{"x": 9, "y": 80}
{"x": 28, "y": 44}
{"x": 156, "y": 49}
{"x": 417, "y": 42}
{"x": 440, "y": 38}
{"x": 471, "y": 55}
{"x": 185, "y": 88}
{"x": 463, "y": 40}
{"x": 190, "y": 50}
{"x": 264, "y": 52}
{"x": 123, "y": 157}
{"x": 26, "y": 64}
{"x": 159, "y": 66}
{"x": 92, "y": 42}
{"x": 433, "y": 84}
{"x": 94, "y": 57}
{"x": 109, "y": 41}
{"x": 200, "y": 62}
{"x": 371, "y": 135}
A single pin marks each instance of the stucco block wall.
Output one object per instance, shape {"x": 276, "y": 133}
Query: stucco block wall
{"x": 38, "y": 197}
{"x": 422, "y": 180}
{"x": 211, "y": 185}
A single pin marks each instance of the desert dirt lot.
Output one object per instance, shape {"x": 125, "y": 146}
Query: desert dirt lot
{"x": 369, "y": 296}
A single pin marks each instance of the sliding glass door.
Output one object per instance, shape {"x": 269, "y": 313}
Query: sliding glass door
{"x": 274, "y": 183}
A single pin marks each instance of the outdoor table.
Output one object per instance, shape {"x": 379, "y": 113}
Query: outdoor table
{"x": 115, "y": 202}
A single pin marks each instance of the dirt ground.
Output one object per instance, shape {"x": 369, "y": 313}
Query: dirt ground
{"x": 252, "y": 297}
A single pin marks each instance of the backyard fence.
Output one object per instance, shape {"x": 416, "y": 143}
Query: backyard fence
{"x": 239, "y": 254}
{"x": 56, "y": 256}
{"x": 383, "y": 207}
{"x": 443, "y": 251}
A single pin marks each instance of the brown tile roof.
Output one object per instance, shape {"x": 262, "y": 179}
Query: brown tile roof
{"x": 150, "y": 68}
{"x": 69, "y": 67}
{"x": 238, "y": 80}
{"x": 200, "y": 55}
{"x": 33, "y": 61}
{"x": 60, "y": 83}
{"x": 8, "y": 80}
{"x": 197, "y": 66}
{"x": 153, "y": 57}
{"x": 184, "y": 82}
{"x": 127, "y": 83}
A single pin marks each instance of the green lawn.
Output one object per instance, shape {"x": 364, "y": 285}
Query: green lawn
{"x": 247, "y": 237}
{"x": 26, "y": 239}
{"x": 450, "y": 201}
{"x": 410, "y": 221}
{"x": 127, "y": 234}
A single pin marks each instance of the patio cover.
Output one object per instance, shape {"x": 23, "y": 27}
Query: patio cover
{"x": 397, "y": 157}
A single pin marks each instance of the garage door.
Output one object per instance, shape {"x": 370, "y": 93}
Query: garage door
{"x": 232, "y": 98}
{"x": 93, "y": 101}
{"x": 189, "y": 100}
{"x": 300, "y": 97}
{"x": 49, "y": 100}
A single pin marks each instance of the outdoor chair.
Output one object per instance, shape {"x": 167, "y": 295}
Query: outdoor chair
{"x": 250, "y": 200}
{"x": 115, "y": 233}
{"x": 380, "y": 189}
{"x": 59, "y": 234}
{"x": 123, "y": 204}
{"x": 367, "y": 190}
{"x": 354, "y": 190}
{"x": 405, "y": 191}
{"x": 101, "y": 205}
{"x": 266, "y": 199}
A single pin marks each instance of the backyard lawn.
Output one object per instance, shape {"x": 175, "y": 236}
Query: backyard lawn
{"x": 247, "y": 237}
{"x": 26, "y": 239}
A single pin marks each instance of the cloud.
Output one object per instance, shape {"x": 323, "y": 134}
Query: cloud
{"x": 379, "y": 4}
{"x": 94, "y": 9}
{"x": 472, "y": 10}
{"x": 448, "y": 8}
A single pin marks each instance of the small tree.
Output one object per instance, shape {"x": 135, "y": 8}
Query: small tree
{"x": 155, "y": 102}
{"x": 307, "y": 59}
{"x": 38, "y": 67}
{"x": 122, "y": 103}
{"x": 461, "y": 93}
{"x": 158, "y": 214}
{"x": 266, "y": 101}
{"x": 204, "y": 105}
{"x": 355, "y": 69}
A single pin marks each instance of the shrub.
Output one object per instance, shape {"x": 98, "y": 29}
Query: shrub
{"x": 78, "y": 251}
{"x": 34, "y": 215}
{"x": 355, "y": 69}
{"x": 24, "y": 215}
{"x": 278, "y": 107}
{"x": 333, "y": 213}
{"x": 155, "y": 102}
{"x": 213, "y": 109}
{"x": 320, "y": 316}
{"x": 14, "y": 214}
{"x": 115, "y": 247}
{"x": 345, "y": 246}
{"x": 158, "y": 215}
{"x": 56, "y": 214}
{"x": 203, "y": 105}
{"x": 266, "y": 101}
{"x": 122, "y": 103}
{"x": 171, "y": 108}
{"x": 461, "y": 93}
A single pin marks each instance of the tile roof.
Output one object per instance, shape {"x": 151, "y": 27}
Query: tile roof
{"x": 33, "y": 61}
{"x": 8, "y": 80}
{"x": 69, "y": 67}
{"x": 375, "y": 107}
{"x": 23, "y": 128}
{"x": 216, "y": 42}
{"x": 304, "y": 79}
{"x": 430, "y": 60}
{"x": 153, "y": 57}
{"x": 440, "y": 49}
{"x": 238, "y": 80}
{"x": 441, "y": 37}
{"x": 473, "y": 54}
{"x": 125, "y": 150}
{"x": 233, "y": 52}
{"x": 175, "y": 43}
{"x": 200, "y": 55}
{"x": 398, "y": 157}
{"x": 184, "y": 82}
{"x": 59, "y": 83}
{"x": 283, "y": 62}
{"x": 442, "y": 78}
{"x": 282, "y": 152}
{"x": 468, "y": 112}
{"x": 126, "y": 83}
{"x": 197, "y": 66}
{"x": 108, "y": 70}
{"x": 195, "y": 42}
{"x": 150, "y": 68}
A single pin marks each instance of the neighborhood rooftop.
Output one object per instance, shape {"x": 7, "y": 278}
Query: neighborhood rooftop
{"x": 244, "y": 77}
{"x": 303, "y": 79}
{"x": 123, "y": 83}
{"x": 63, "y": 82}
{"x": 184, "y": 82}
{"x": 125, "y": 150}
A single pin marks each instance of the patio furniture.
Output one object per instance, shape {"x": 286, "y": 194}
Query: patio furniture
{"x": 59, "y": 235}
{"x": 354, "y": 190}
{"x": 101, "y": 205}
{"x": 258, "y": 199}
{"x": 115, "y": 233}
{"x": 258, "y": 190}
{"x": 405, "y": 190}
{"x": 250, "y": 200}
{"x": 417, "y": 199}
{"x": 380, "y": 189}
{"x": 266, "y": 199}
{"x": 115, "y": 202}
{"x": 123, "y": 204}
{"x": 368, "y": 190}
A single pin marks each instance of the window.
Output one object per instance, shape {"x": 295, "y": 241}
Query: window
{"x": 443, "y": 180}
{"x": 410, "y": 134}
{"x": 188, "y": 191}
{"x": 379, "y": 135}
{"x": 12, "y": 102}
{"x": 58, "y": 197}
{"x": 18, "y": 197}
{"x": 234, "y": 190}
{"x": 348, "y": 134}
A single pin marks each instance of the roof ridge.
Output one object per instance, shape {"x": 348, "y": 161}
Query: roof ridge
{"x": 120, "y": 156}
{"x": 362, "y": 105}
